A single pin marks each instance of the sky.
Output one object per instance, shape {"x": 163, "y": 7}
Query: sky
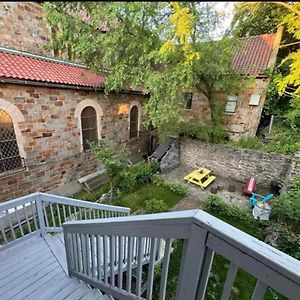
{"x": 227, "y": 8}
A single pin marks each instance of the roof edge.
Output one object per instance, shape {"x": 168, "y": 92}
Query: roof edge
{"x": 42, "y": 57}
{"x": 63, "y": 86}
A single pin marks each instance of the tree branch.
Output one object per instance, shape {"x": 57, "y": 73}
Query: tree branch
{"x": 291, "y": 44}
{"x": 290, "y": 7}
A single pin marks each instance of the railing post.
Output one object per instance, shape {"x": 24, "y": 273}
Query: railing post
{"x": 38, "y": 202}
{"x": 68, "y": 251}
{"x": 191, "y": 264}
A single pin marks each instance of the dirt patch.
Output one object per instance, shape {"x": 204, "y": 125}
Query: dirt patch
{"x": 197, "y": 196}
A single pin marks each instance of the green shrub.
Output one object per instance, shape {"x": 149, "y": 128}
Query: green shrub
{"x": 287, "y": 206}
{"x": 289, "y": 241}
{"x": 194, "y": 129}
{"x": 131, "y": 178}
{"x": 284, "y": 140}
{"x": 155, "y": 206}
{"x": 216, "y": 134}
{"x": 248, "y": 143}
{"x": 175, "y": 187}
{"x": 92, "y": 195}
{"x": 235, "y": 216}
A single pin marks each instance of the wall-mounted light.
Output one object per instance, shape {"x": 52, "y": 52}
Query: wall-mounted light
{"x": 123, "y": 108}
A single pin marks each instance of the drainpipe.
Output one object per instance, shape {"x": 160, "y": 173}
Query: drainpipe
{"x": 271, "y": 124}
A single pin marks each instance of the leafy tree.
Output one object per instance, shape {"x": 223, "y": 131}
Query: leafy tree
{"x": 112, "y": 157}
{"x": 154, "y": 45}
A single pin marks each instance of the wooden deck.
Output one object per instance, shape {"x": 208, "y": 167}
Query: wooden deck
{"x": 37, "y": 269}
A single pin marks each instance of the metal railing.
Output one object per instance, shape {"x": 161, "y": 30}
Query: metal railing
{"x": 203, "y": 235}
{"x": 42, "y": 213}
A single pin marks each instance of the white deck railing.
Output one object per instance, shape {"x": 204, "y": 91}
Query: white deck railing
{"x": 203, "y": 235}
{"x": 42, "y": 213}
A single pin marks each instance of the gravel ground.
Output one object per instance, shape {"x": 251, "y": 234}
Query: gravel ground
{"x": 197, "y": 196}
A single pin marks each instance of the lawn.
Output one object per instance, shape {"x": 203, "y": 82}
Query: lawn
{"x": 244, "y": 283}
{"x": 137, "y": 199}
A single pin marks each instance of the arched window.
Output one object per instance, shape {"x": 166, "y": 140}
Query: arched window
{"x": 10, "y": 158}
{"x": 88, "y": 126}
{"x": 133, "y": 122}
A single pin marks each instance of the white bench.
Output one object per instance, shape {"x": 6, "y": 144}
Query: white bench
{"x": 94, "y": 180}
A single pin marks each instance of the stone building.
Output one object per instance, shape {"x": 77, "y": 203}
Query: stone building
{"x": 243, "y": 110}
{"x": 49, "y": 108}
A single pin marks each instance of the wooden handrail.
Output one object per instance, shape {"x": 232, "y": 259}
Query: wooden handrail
{"x": 203, "y": 236}
{"x": 43, "y": 212}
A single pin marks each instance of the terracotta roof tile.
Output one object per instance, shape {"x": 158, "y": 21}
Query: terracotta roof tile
{"x": 253, "y": 56}
{"x": 36, "y": 69}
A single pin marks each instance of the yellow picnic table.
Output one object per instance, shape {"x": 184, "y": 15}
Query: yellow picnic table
{"x": 200, "y": 177}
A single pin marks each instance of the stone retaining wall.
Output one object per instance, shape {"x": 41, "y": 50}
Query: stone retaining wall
{"x": 236, "y": 163}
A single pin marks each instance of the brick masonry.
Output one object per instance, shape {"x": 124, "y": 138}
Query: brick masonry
{"x": 236, "y": 163}
{"x": 22, "y": 27}
{"x": 49, "y": 134}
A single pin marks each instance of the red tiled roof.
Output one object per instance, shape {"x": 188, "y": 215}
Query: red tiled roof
{"x": 253, "y": 56}
{"x": 35, "y": 69}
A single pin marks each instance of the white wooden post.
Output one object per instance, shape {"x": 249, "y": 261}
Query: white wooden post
{"x": 192, "y": 262}
{"x": 38, "y": 202}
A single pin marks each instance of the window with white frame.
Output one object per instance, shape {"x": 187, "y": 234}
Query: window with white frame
{"x": 231, "y": 104}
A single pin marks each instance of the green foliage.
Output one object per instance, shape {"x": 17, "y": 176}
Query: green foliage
{"x": 287, "y": 206}
{"x": 256, "y": 18}
{"x": 155, "y": 45}
{"x": 247, "y": 143}
{"x": 194, "y": 129}
{"x": 131, "y": 178}
{"x": 235, "y": 216}
{"x": 137, "y": 200}
{"x": 289, "y": 238}
{"x": 175, "y": 187}
{"x": 284, "y": 140}
{"x": 92, "y": 195}
{"x": 113, "y": 157}
{"x": 154, "y": 206}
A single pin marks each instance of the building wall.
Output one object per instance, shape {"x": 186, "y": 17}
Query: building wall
{"x": 236, "y": 163}
{"x": 245, "y": 120}
{"x": 22, "y": 27}
{"x": 49, "y": 138}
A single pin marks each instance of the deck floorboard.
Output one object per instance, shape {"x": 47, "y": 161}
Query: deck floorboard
{"x": 36, "y": 269}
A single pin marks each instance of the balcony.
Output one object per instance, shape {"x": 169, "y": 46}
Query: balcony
{"x": 104, "y": 250}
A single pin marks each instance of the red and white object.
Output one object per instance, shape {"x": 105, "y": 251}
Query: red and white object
{"x": 250, "y": 187}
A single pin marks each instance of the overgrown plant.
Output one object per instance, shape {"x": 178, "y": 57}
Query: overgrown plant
{"x": 155, "y": 206}
{"x": 248, "y": 143}
{"x": 287, "y": 206}
{"x": 195, "y": 129}
{"x": 132, "y": 178}
{"x": 165, "y": 47}
{"x": 176, "y": 187}
{"x": 112, "y": 157}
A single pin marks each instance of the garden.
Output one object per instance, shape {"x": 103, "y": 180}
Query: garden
{"x": 142, "y": 188}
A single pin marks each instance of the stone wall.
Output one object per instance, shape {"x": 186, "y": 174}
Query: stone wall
{"x": 236, "y": 163}
{"x": 49, "y": 135}
{"x": 22, "y": 27}
{"x": 245, "y": 120}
